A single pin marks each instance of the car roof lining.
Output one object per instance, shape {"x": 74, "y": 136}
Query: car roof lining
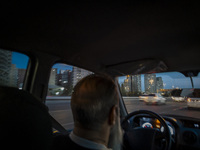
{"x": 107, "y": 37}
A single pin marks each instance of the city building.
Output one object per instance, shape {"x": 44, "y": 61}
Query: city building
{"x": 53, "y": 76}
{"x": 59, "y": 78}
{"x": 5, "y": 66}
{"x": 21, "y": 75}
{"x": 133, "y": 84}
{"x": 64, "y": 77}
{"x": 150, "y": 83}
{"x": 159, "y": 84}
{"x": 127, "y": 84}
{"x": 136, "y": 79}
{"x": 78, "y": 74}
{"x": 13, "y": 76}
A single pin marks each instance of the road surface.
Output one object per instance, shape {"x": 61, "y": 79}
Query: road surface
{"x": 61, "y": 111}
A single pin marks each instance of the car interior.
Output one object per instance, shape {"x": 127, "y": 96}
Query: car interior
{"x": 129, "y": 41}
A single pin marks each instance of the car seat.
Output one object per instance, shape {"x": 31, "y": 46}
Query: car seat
{"x": 24, "y": 121}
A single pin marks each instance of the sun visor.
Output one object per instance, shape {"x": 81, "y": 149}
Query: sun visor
{"x": 137, "y": 67}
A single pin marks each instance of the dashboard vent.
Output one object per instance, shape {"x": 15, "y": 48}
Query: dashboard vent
{"x": 189, "y": 137}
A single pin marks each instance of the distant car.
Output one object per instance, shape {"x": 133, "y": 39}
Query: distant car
{"x": 178, "y": 98}
{"x": 155, "y": 98}
{"x": 143, "y": 97}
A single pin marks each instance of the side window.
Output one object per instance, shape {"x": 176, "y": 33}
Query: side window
{"x": 61, "y": 82}
{"x": 13, "y": 66}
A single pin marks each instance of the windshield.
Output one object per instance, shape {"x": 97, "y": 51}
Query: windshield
{"x": 164, "y": 93}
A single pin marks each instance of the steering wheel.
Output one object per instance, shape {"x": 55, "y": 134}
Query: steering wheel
{"x": 140, "y": 138}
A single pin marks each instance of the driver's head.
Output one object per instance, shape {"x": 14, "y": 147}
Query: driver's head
{"x": 95, "y": 105}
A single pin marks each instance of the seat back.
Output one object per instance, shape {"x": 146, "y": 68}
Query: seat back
{"x": 24, "y": 121}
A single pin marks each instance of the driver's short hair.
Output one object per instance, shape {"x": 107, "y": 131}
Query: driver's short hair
{"x": 92, "y": 100}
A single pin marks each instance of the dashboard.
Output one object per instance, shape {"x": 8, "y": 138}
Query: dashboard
{"x": 146, "y": 122}
{"x": 185, "y": 131}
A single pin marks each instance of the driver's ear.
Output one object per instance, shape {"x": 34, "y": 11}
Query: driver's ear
{"x": 112, "y": 115}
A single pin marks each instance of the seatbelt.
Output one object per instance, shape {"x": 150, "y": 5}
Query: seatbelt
{"x": 56, "y": 125}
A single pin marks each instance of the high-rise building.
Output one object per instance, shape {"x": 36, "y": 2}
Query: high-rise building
{"x": 78, "y": 74}
{"x": 64, "y": 77}
{"x": 53, "y": 76}
{"x": 21, "y": 75}
{"x": 5, "y": 66}
{"x": 133, "y": 84}
{"x": 13, "y": 76}
{"x": 159, "y": 83}
{"x": 59, "y": 78}
{"x": 127, "y": 84}
{"x": 150, "y": 83}
{"x": 136, "y": 79}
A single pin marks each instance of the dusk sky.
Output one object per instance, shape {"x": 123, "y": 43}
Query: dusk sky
{"x": 20, "y": 60}
{"x": 170, "y": 80}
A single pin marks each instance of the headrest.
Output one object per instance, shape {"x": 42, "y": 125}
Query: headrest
{"x": 24, "y": 121}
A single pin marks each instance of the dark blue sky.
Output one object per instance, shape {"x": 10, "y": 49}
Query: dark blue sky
{"x": 20, "y": 60}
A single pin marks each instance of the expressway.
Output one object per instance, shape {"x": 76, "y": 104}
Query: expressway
{"x": 61, "y": 111}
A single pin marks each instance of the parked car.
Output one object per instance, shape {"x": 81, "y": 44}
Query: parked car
{"x": 155, "y": 98}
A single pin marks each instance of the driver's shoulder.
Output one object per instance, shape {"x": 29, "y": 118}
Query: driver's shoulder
{"x": 64, "y": 142}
